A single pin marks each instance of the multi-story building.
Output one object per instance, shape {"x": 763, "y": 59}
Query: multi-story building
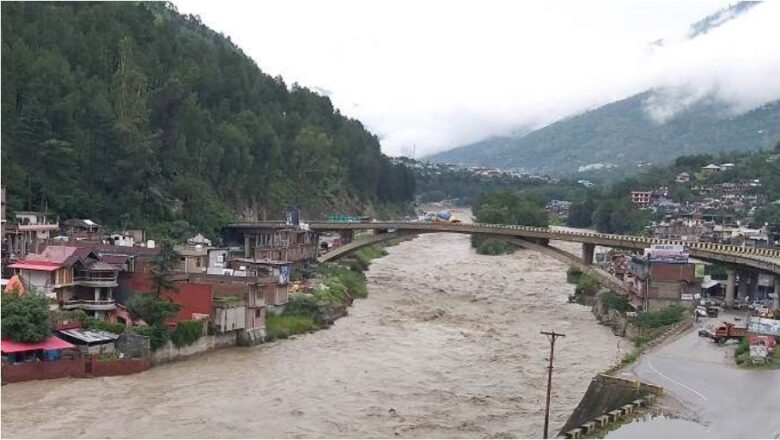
{"x": 72, "y": 277}
{"x": 291, "y": 244}
{"x": 641, "y": 198}
{"x": 82, "y": 229}
{"x": 657, "y": 281}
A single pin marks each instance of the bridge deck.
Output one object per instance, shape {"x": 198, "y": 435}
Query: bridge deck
{"x": 762, "y": 259}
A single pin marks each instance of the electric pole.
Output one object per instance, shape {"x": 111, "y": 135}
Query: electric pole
{"x": 552, "y": 336}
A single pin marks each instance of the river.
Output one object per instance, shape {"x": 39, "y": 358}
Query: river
{"x": 446, "y": 345}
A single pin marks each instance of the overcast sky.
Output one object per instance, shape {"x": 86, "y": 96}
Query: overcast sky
{"x": 440, "y": 74}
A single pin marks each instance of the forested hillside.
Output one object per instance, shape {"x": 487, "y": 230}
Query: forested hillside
{"x": 134, "y": 115}
{"x": 623, "y": 134}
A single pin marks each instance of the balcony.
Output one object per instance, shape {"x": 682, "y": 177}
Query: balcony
{"x": 95, "y": 279}
{"x": 89, "y": 304}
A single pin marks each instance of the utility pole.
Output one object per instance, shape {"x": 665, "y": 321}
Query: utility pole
{"x": 552, "y": 336}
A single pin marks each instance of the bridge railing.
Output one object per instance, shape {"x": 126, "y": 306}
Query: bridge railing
{"x": 763, "y": 254}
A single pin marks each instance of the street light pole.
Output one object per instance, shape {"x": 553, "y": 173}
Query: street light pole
{"x": 552, "y": 336}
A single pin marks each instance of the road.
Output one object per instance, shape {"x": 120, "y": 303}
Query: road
{"x": 731, "y": 402}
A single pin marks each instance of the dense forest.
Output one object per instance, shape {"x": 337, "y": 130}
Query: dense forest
{"x": 134, "y": 115}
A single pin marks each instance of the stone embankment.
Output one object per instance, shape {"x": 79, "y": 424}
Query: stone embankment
{"x": 607, "y": 400}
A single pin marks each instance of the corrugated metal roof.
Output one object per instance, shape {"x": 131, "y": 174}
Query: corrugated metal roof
{"x": 89, "y": 336}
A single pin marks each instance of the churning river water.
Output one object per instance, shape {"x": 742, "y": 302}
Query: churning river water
{"x": 446, "y": 345}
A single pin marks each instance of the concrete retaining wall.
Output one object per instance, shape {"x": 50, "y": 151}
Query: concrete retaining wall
{"x": 170, "y": 352}
{"x": 607, "y": 393}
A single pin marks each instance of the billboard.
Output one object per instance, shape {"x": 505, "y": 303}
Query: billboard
{"x": 667, "y": 253}
{"x": 698, "y": 270}
{"x": 764, "y": 326}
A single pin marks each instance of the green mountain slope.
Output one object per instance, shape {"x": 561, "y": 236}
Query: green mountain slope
{"x": 134, "y": 115}
{"x": 622, "y": 134}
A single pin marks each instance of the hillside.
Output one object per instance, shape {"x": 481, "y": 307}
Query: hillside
{"x": 134, "y": 115}
{"x": 622, "y": 133}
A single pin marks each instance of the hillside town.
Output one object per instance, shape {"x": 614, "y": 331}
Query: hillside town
{"x": 80, "y": 266}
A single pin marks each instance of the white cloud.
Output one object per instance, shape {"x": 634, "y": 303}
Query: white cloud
{"x": 438, "y": 74}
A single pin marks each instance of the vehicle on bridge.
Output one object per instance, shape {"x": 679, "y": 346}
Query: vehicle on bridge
{"x": 342, "y": 218}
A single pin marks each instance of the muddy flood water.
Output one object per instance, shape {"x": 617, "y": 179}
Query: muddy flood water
{"x": 446, "y": 345}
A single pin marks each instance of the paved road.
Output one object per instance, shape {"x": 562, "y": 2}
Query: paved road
{"x": 731, "y": 402}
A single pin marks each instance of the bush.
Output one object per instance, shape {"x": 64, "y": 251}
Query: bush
{"x": 586, "y": 286}
{"x": 742, "y": 347}
{"x": 613, "y": 301}
{"x": 301, "y": 304}
{"x": 186, "y": 332}
{"x": 354, "y": 281}
{"x": 151, "y": 308}
{"x": 629, "y": 358}
{"x": 669, "y": 315}
{"x": 285, "y": 325}
{"x": 573, "y": 275}
{"x": 158, "y": 334}
{"x": 332, "y": 292}
{"x": 25, "y": 317}
{"x": 492, "y": 246}
{"x": 98, "y": 324}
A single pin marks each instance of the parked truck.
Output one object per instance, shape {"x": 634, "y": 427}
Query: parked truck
{"x": 726, "y": 331}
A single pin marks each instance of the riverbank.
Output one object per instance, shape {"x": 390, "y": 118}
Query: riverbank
{"x": 447, "y": 344}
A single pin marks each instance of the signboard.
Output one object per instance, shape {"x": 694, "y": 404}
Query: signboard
{"x": 667, "y": 253}
{"x": 284, "y": 274}
{"x": 764, "y": 326}
{"x": 686, "y": 296}
{"x": 698, "y": 270}
{"x": 292, "y": 216}
{"x": 759, "y": 353}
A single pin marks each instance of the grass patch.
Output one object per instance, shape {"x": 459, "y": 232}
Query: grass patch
{"x": 353, "y": 280}
{"x": 285, "y": 325}
{"x": 669, "y": 315}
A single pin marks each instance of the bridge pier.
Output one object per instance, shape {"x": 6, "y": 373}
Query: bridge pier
{"x": 347, "y": 236}
{"x": 588, "y": 249}
{"x": 743, "y": 290}
{"x": 732, "y": 276}
{"x": 777, "y": 291}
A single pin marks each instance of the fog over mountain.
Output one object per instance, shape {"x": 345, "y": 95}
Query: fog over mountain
{"x": 439, "y": 74}
{"x": 711, "y": 89}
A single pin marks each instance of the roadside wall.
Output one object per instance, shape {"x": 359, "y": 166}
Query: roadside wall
{"x": 25, "y": 371}
{"x": 169, "y": 352}
{"x": 119, "y": 367}
{"x": 605, "y": 394}
{"x": 87, "y": 366}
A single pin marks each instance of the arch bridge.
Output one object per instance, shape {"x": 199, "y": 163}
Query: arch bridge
{"x": 748, "y": 259}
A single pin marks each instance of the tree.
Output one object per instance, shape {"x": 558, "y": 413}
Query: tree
{"x": 162, "y": 266}
{"x": 139, "y": 117}
{"x": 25, "y": 318}
{"x": 581, "y": 214}
{"x": 152, "y": 309}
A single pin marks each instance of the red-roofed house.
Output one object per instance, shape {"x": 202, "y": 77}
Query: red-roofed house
{"x": 73, "y": 277}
